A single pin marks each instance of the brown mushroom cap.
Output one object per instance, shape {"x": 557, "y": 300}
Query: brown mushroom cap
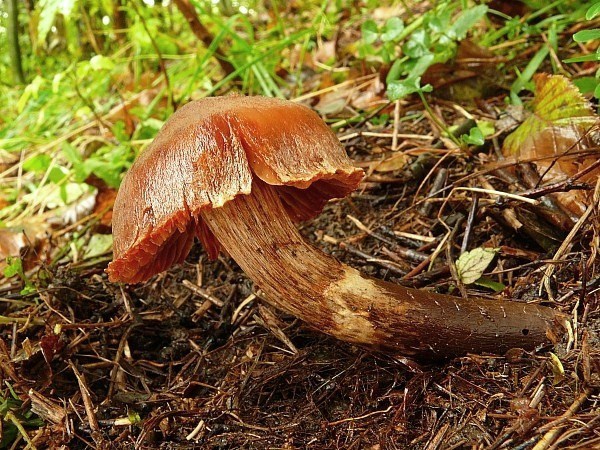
{"x": 205, "y": 155}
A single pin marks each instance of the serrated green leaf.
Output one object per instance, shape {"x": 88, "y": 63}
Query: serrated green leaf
{"x": 561, "y": 125}
{"x": 393, "y": 28}
{"x": 369, "y": 31}
{"x": 467, "y": 20}
{"x": 587, "y": 35}
{"x": 471, "y": 265}
{"x": 557, "y": 103}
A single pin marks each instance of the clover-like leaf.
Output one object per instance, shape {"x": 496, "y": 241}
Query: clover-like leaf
{"x": 402, "y": 88}
{"x": 369, "y": 31}
{"x": 392, "y": 30}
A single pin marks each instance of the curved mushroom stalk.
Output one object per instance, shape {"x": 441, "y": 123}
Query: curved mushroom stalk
{"x": 338, "y": 300}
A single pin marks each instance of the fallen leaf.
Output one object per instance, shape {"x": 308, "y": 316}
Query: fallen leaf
{"x": 561, "y": 137}
{"x": 31, "y": 233}
{"x": 98, "y": 245}
{"x": 105, "y": 199}
{"x": 11, "y": 243}
{"x": 395, "y": 162}
{"x": 470, "y": 265}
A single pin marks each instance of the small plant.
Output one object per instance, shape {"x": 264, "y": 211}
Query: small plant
{"x": 14, "y": 267}
{"x": 475, "y": 137}
{"x": 14, "y": 421}
{"x": 430, "y": 39}
{"x": 589, "y": 84}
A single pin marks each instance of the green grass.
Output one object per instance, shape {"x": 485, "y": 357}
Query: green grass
{"x": 57, "y": 130}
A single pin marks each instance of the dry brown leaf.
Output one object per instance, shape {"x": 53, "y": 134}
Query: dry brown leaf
{"x": 561, "y": 137}
{"x": 395, "y": 162}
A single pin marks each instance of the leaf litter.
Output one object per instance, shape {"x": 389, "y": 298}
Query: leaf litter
{"x": 175, "y": 363}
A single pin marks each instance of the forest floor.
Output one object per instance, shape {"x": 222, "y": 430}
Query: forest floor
{"x": 194, "y": 359}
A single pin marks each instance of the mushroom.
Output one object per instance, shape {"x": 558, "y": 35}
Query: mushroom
{"x": 236, "y": 172}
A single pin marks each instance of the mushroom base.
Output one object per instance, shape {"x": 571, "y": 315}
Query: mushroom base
{"x": 336, "y": 299}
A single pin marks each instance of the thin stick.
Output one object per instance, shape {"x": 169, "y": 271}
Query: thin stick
{"x": 557, "y": 425}
{"x": 567, "y": 242}
{"x": 88, "y": 405}
{"x": 500, "y": 194}
{"x": 396, "y": 125}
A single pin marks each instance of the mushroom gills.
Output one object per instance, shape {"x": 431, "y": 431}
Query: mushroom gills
{"x": 336, "y": 299}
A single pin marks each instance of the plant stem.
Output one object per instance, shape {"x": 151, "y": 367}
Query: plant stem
{"x": 13, "y": 41}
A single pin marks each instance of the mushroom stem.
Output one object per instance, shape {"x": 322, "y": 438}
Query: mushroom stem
{"x": 336, "y": 299}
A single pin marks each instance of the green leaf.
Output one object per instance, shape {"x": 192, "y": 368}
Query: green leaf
{"x": 470, "y": 265}
{"x": 417, "y": 45}
{"x": 57, "y": 174}
{"x": 486, "y": 126}
{"x": 98, "y": 245}
{"x": 393, "y": 29}
{"x": 490, "y": 284}
{"x": 402, "y": 88}
{"x": 440, "y": 20}
{"x": 587, "y": 35}
{"x": 73, "y": 156}
{"x": 48, "y": 10}
{"x": 395, "y": 71}
{"x": 71, "y": 153}
{"x": 597, "y": 91}
{"x": 467, "y": 20}
{"x": 593, "y": 11}
{"x": 109, "y": 172}
{"x": 99, "y": 62}
{"x": 14, "y": 267}
{"x": 557, "y": 103}
{"x": 584, "y": 58}
{"x": 134, "y": 418}
{"x": 586, "y": 85}
{"x": 475, "y": 137}
{"x": 369, "y": 31}
{"x": 30, "y": 91}
{"x": 421, "y": 65}
{"x": 38, "y": 163}
{"x": 529, "y": 72}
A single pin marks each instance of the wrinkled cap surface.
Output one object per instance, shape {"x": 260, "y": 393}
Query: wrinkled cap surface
{"x": 206, "y": 154}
